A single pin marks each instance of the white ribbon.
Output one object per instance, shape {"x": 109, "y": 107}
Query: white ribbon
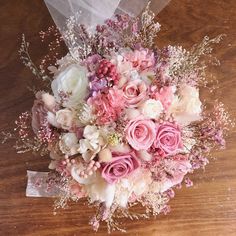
{"x": 38, "y": 185}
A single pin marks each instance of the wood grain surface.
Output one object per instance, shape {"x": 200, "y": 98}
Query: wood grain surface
{"x": 207, "y": 209}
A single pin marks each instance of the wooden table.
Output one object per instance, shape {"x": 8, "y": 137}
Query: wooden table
{"x": 207, "y": 209}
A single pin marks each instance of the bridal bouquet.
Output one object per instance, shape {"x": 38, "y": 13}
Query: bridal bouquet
{"x": 120, "y": 118}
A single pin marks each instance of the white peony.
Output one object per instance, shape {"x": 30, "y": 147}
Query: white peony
{"x": 71, "y": 82}
{"x": 187, "y": 107}
{"x": 69, "y": 144}
{"x": 151, "y": 108}
{"x": 137, "y": 183}
{"x": 95, "y": 186}
{"x": 101, "y": 191}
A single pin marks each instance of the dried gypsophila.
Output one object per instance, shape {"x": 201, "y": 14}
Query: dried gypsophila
{"x": 26, "y": 59}
{"x": 187, "y": 66}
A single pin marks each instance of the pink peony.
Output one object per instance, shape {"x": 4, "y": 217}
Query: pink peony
{"x": 140, "y": 133}
{"x": 168, "y": 139}
{"x": 135, "y": 92}
{"x": 165, "y": 95}
{"x": 119, "y": 167}
{"x": 108, "y": 106}
{"x": 142, "y": 59}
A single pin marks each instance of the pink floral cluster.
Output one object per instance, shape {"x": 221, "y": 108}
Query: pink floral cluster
{"x": 125, "y": 121}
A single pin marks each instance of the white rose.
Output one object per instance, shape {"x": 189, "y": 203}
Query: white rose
{"x": 187, "y": 107}
{"x": 71, "y": 82}
{"x": 151, "y": 108}
{"x": 69, "y": 144}
{"x": 65, "y": 118}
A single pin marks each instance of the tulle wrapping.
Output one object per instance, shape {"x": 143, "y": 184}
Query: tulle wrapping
{"x": 94, "y": 12}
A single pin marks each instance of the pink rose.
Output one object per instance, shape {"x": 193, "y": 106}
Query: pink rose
{"x": 119, "y": 167}
{"x": 168, "y": 139}
{"x": 135, "y": 92}
{"x": 108, "y": 106}
{"x": 140, "y": 133}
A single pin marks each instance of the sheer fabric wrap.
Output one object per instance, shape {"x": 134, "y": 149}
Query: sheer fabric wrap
{"x": 93, "y": 12}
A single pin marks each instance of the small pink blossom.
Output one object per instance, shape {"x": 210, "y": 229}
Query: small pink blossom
{"x": 108, "y": 106}
{"x": 77, "y": 190}
{"x": 135, "y": 92}
{"x": 119, "y": 167}
{"x": 168, "y": 139}
{"x": 142, "y": 59}
{"x": 140, "y": 133}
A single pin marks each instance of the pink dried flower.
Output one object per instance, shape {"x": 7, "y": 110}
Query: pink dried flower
{"x": 108, "y": 71}
{"x": 188, "y": 182}
{"x": 165, "y": 95}
{"x": 108, "y": 106}
{"x": 175, "y": 169}
{"x": 94, "y": 222}
{"x": 142, "y": 59}
{"x": 77, "y": 190}
{"x": 39, "y": 113}
{"x": 166, "y": 210}
{"x": 92, "y": 62}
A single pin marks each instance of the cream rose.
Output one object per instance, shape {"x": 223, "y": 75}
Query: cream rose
{"x": 187, "y": 107}
{"x": 71, "y": 85}
{"x": 69, "y": 144}
{"x": 65, "y": 118}
{"x": 151, "y": 108}
{"x": 91, "y": 144}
